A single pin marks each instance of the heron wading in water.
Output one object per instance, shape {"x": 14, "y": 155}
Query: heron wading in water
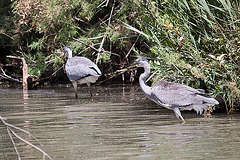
{"x": 171, "y": 95}
{"x": 81, "y": 70}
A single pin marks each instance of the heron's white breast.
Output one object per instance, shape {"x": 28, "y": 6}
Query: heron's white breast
{"x": 89, "y": 79}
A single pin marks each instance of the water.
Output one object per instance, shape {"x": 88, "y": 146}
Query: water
{"x": 119, "y": 124}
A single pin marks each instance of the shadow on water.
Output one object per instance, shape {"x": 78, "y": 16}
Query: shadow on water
{"x": 119, "y": 124}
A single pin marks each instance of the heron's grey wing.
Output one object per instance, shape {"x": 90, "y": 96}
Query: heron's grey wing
{"x": 174, "y": 94}
{"x": 87, "y": 62}
{"x": 80, "y": 67}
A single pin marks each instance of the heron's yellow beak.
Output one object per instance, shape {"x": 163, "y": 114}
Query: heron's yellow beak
{"x": 127, "y": 68}
{"x": 131, "y": 66}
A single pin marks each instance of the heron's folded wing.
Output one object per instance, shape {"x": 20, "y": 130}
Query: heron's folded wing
{"x": 174, "y": 94}
{"x": 80, "y": 71}
{"x": 81, "y": 67}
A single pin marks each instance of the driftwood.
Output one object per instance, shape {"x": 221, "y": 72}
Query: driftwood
{"x": 11, "y": 133}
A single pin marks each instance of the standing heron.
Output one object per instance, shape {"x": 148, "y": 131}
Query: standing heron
{"x": 81, "y": 70}
{"x": 171, "y": 95}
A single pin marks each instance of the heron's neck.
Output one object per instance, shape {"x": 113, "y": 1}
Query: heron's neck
{"x": 69, "y": 54}
{"x": 142, "y": 81}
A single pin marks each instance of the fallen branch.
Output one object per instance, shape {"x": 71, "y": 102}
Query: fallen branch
{"x": 11, "y": 132}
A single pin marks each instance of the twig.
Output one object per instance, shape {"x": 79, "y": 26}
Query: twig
{"x": 101, "y": 20}
{"x": 9, "y": 133}
{"x": 101, "y": 45}
{"x": 14, "y": 57}
{"x": 88, "y": 48}
{"x": 132, "y": 47}
{"x": 4, "y": 75}
{"x": 2, "y": 32}
{"x": 85, "y": 44}
{"x": 78, "y": 19}
{"x": 26, "y": 56}
{"x": 93, "y": 38}
{"x": 100, "y": 49}
{"x": 105, "y": 5}
{"x": 57, "y": 70}
{"x": 116, "y": 73}
{"x": 106, "y": 18}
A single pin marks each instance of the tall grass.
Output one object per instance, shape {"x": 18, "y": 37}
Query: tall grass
{"x": 196, "y": 43}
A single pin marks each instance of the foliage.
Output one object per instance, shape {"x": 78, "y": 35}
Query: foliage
{"x": 92, "y": 28}
{"x": 196, "y": 43}
{"x": 6, "y": 25}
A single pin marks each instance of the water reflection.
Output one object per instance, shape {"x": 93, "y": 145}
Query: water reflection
{"x": 119, "y": 124}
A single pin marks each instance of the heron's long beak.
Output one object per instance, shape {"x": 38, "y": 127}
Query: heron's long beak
{"x": 132, "y": 65}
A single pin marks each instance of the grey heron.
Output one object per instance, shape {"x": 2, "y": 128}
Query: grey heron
{"x": 172, "y": 95}
{"x": 81, "y": 70}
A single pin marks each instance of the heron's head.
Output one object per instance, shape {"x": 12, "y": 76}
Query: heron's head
{"x": 68, "y": 51}
{"x": 140, "y": 62}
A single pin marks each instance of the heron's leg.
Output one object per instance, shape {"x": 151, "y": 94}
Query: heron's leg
{"x": 74, "y": 83}
{"x": 90, "y": 91}
{"x": 178, "y": 114}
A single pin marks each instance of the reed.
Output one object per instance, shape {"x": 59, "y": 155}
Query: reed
{"x": 196, "y": 43}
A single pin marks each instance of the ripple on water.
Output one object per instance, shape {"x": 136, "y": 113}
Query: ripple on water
{"x": 119, "y": 124}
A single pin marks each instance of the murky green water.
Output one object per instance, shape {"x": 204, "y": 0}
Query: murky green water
{"x": 119, "y": 124}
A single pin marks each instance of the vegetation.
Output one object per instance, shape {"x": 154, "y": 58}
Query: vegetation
{"x": 40, "y": 29}
{"x": 196, "y": 43}
{"x": 192, "y": 42}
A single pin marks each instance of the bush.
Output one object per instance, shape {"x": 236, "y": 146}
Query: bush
{"x": 40, "y": 29}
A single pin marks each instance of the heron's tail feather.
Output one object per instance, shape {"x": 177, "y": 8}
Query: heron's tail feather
{"x": 200, "y": 108}
{"x": 207, "y": 101}
{"x": 210, "y": 101}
